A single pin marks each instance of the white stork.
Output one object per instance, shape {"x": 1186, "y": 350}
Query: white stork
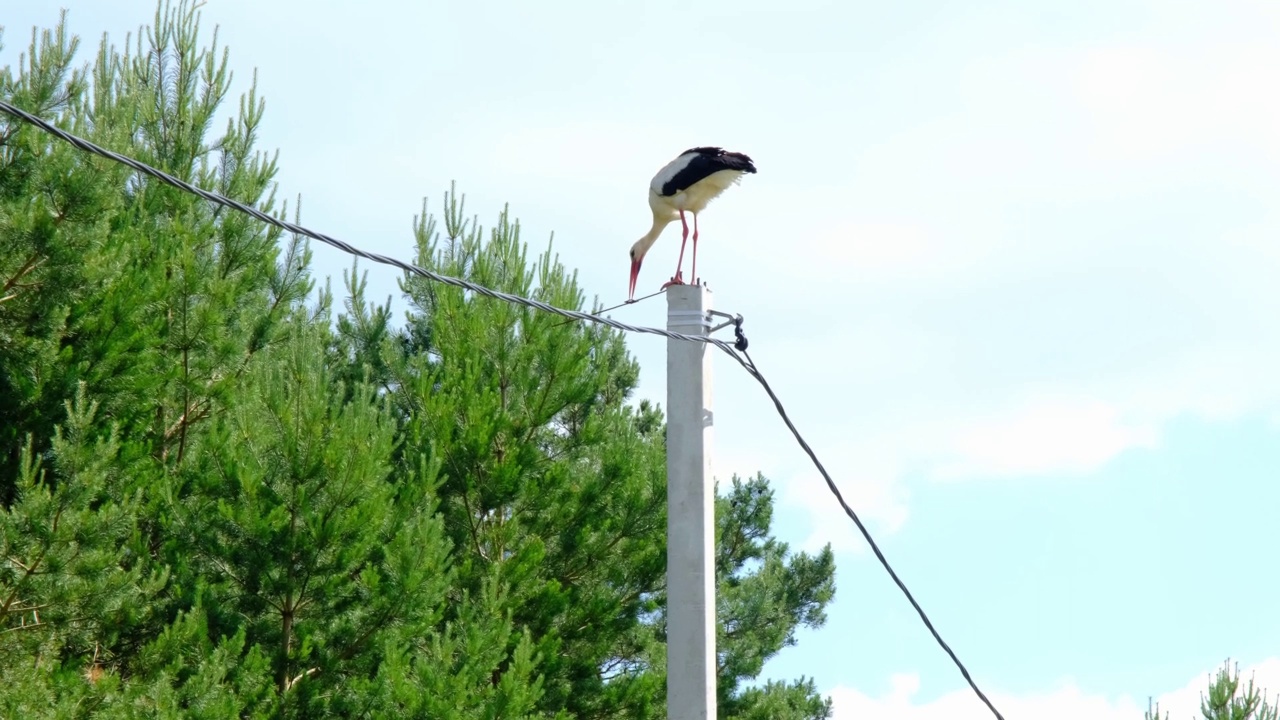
{"x": 686, "y": 184}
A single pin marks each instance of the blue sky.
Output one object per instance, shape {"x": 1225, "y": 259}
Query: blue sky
{"x": 1010, "y": 264}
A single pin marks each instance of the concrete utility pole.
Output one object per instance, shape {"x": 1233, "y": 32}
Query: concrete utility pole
{"x": 691, "y": 572}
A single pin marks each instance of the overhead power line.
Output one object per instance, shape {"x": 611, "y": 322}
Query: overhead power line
{"x": 326, "y": 239}
{"x": 737, "y": 350}
{"x": 782, "y": 412}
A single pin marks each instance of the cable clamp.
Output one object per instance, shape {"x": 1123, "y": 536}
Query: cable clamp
{"x": 740, "y": 340}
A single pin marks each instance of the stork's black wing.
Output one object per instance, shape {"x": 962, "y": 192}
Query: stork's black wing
{"x": 703, "y": 162}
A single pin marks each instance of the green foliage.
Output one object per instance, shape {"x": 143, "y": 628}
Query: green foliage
{"x": 760, "y": 609}
{"x": 544, "y": 470}
{"x": 219, "y": 501}
{"x": 1227, "y": 700}
{"x": 147, "y": 295}
{"x": 287, "y": 505}
{"x": 53, "y": 210}
{"x": 69, "y": 584}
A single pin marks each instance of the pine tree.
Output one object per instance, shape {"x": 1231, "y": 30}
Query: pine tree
{"x": 216, "y": 501}
{"x": 299, "y": 539}
{"x": 72, "y": 586}
{"x": 118, "y": 301}
{"x": 555, "y": 487}
{"x": 53, "y": 205}
{"x": 759, "y": 610}
{"x": 1227, "y": 700}
{"x": 68, "y": 584}
{"x": 544, "y": 475}
{"x": 204, "y": 414}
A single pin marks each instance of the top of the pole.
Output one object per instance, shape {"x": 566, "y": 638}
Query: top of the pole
{"x": 687, "y": 307}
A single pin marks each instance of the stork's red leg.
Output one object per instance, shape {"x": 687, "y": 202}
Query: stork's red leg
{"x": 684, "y": 238}
{"x": 693, "y": 272}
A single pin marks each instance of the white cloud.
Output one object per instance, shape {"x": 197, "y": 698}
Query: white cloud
{"x": 879, "y": 501}
{"x": 982, "y": 340}
{"x": 1045, "y": 435}
{"x": 867, "y": 477}
{"x": 1066, "y": 702}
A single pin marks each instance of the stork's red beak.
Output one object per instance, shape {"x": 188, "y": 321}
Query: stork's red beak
{"x": 635, "y": 273}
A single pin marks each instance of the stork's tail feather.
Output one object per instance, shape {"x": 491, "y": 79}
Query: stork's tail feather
{"x": 738, "y": 161}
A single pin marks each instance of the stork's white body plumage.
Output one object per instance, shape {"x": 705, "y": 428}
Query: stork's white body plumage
{"x": 687, "y": 184}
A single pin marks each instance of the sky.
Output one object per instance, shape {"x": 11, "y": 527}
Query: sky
{"x": 1010, "y": 264}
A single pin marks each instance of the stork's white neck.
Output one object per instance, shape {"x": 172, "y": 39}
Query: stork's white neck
{"x": 643, "y": 244}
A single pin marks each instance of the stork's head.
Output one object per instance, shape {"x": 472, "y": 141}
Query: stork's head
{"x": 642, "y": 246}
{"x": 637, "y": 256}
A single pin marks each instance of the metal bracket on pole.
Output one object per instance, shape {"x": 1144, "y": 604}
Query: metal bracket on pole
{"x": 739, "y": 339}
{"x": 732, "y": 320}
